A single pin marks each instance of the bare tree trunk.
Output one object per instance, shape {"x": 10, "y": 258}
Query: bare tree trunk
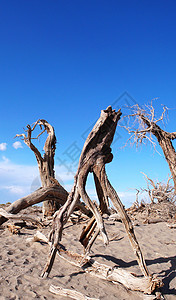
{"x": 95, "y": 154}
{"x": 170, "y": 156}
{"x": 45, "y": 163}
{"x": 144, "y": 127}
{"x": 165, "y": 141}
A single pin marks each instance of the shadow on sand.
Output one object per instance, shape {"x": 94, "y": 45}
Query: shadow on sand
{"x": 166, "y": 275}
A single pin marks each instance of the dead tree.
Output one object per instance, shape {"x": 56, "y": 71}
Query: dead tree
{"x": 145, "y": 125}
{"x": 159, "y": 191}
{"x": 95, "y": 154}
{"x": 45, "y": 162}
{"x": 52, "y": 198}
{"x": 56, "y": 192}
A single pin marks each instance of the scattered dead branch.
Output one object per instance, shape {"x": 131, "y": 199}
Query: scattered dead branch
{"x": 57, "y": 290}
{"x": 14, "y": 229}
{"x": 171, "y": 225}
{"x": 57, "y": 192}
{"x": 115, "y": 275}
{"x": 159, "y": 191}
{"x": 7, "y": 215}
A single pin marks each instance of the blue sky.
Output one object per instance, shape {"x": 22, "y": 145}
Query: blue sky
{"x": 64, "y": 61}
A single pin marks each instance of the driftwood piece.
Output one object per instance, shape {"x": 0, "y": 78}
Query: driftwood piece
{"x": 14, "y": 229}
{"x": 57, "y": 290}
{"x": 115, "y": 275}
{"x": 171, "y": 225}
{"x": 95, "y": 154}
{"x": 19, "y": 217}
{"x": 38, "y": 237}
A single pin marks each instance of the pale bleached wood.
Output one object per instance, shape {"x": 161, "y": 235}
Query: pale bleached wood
{"x": 171, "y": 225}
{"x": 115, "y": 275}
{"x": 46, "y": 161}
{"x": 38, "y": 237}
{"x": 57, "y": 290}
{"x": 146, "y": 284}
{"x": 95, "y": 154}
{"x": 7, "y": 215}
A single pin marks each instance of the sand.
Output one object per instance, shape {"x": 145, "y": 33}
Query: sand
{"x": 22, "y": 262}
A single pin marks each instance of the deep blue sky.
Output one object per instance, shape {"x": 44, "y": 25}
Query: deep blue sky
{"x": 64, "y": 61}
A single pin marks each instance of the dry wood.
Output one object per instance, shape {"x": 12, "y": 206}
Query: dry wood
{"x": 159, "y": 191}
{"x": 45, "y": 162}
{"x": 69, "y": 293}
{"x": 19, "y": 217}
{"x": 14, "y": 229}
{"x": 115, "y": 217}
{"x": 56, "y": 192}
{"x": 147, "y": 127}
{"x": 113, "y": 274}
{"x": 95, "y": 154}
{"x": 38, "y": 237}
{"x": 46, "y": 166}
{"x": 171, "y": 225}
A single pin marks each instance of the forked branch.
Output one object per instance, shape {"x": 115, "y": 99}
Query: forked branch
{"x": 143, "y": 126}
{"x": 95, "y": 154}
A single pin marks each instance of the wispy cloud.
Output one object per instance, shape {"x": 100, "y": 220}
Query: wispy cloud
{"x": 3, "y": 146}
{"x": 17, "y": 180}
{"x": 17, "y": 145}
{"x": 5, "y": 159}
{"x": 14, "y": 189}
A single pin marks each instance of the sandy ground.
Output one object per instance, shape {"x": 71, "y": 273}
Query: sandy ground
{"x": 21, "y": 262}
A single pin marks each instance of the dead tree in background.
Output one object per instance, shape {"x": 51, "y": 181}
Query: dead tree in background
{"x": 45, "y": 162}
{"x": 143, "y": 125}
{"x": 95, "y": 154}
{"x": 52, "y": 194}
{"x": 159, "y": 191}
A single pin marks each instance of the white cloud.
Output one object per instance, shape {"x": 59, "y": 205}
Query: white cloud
{"x": 17, "y": 190}
{"x": 63, "y": 173}
{"x": 3, "y": 146}
{"x": 5, "y": 159}
{"x": 18, "y": 180}
{"x": 17, "y": 145}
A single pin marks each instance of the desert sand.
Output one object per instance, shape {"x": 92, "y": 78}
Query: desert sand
{"x": 22, "y": 262}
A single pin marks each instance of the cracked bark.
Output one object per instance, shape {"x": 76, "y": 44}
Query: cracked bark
{"x": 95, "y": 154}
{"x": 45, "y": 162}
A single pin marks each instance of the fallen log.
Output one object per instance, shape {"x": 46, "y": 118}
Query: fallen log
{"x": 171, "y": 225}
{"x": 57, "y": 290}
{"x": 7, "y": 215}
{"x": 114, "y": 274}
